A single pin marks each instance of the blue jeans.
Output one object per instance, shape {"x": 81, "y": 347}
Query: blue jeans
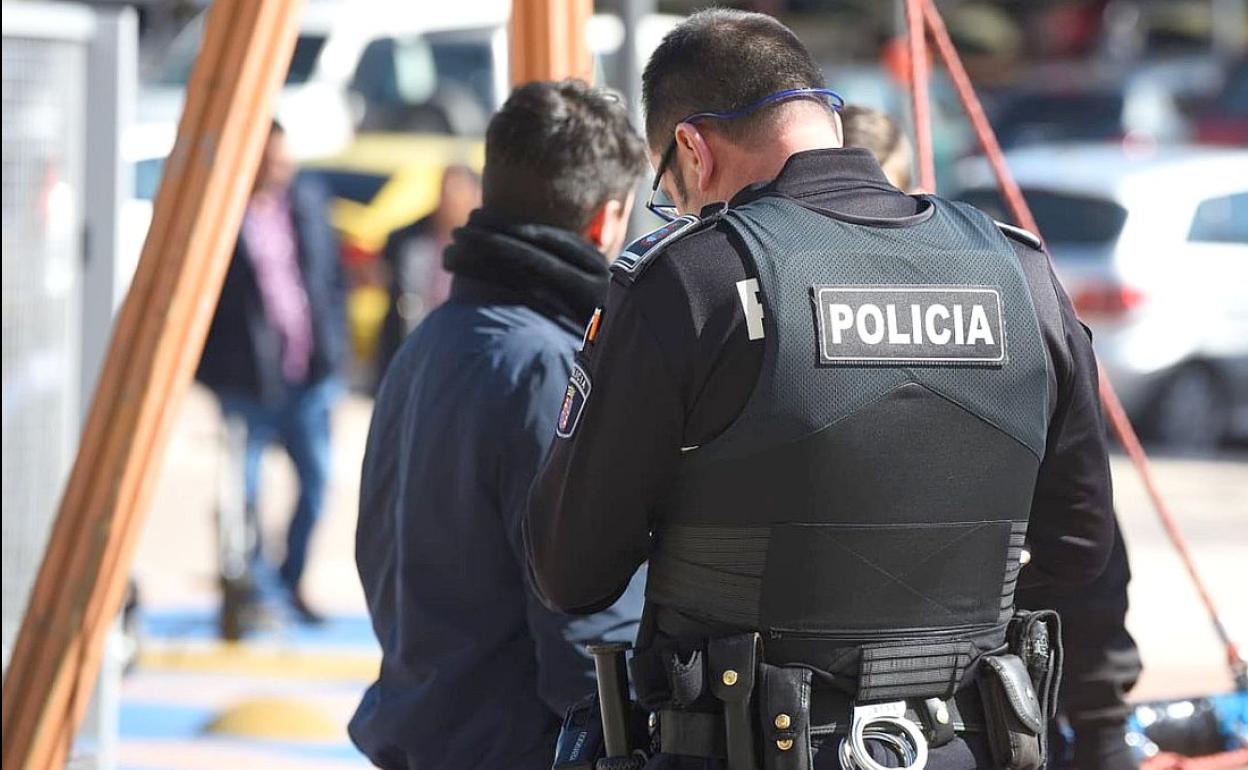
{"x": 301, "y": 423}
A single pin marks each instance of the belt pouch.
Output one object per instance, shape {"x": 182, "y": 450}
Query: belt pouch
{"x": 732, "y": 662}
{"x": 784, "y": 713}
{"x": 1015, "y": 721}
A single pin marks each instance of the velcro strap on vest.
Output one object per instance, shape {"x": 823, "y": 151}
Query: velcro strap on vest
{"x": 902, "y": 670}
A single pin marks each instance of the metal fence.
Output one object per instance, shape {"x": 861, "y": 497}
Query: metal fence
{"x": 44, "y": 97}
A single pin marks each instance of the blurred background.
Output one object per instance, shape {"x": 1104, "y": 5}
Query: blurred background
{"x": 1124, "y": 121}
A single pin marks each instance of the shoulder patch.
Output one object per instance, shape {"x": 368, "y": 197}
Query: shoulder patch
{"x": 637, "y": 255}
{"x": 574, "y": 398}
{"x": 1025, "y": 237}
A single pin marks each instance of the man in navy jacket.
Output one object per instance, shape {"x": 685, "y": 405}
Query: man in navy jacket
{"x": 476, "y": 672}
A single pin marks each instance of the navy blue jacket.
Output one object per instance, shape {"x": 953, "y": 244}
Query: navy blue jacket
{"x": 476, "y": 672}
{"x": 243, "y": 352}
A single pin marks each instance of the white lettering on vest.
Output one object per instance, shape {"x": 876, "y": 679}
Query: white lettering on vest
{"x": 874, "y": 336}
{"x": 748, "y": 290}
{"x": 938, "y": 337}
{"x": 980, "y": 331}
{"x": 842, "y": 320}
{"x": 909, "y": 324}
{"x": 895, "y": 337}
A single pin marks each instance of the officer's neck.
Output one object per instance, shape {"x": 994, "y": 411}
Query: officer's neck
{"x": 745, "y": 165}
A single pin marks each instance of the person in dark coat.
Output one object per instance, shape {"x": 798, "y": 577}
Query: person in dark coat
{"x": 475, "y": 671}
{"x": 275, "y": 351}
{"x": 412, "y": 260}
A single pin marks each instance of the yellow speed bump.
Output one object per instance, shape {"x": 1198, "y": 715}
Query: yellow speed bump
{"x": 275, "y": 719}
{"x": 242, "y": 660}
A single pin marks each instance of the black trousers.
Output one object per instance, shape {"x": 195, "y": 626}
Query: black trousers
{"x": 1102, "y": 665}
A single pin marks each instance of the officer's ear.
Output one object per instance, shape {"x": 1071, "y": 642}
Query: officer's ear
{"x": 702, "y": 164}
{"x": 609, "y": 226}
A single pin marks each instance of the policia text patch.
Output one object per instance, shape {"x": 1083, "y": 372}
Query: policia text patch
{"x": 961, "y": 325}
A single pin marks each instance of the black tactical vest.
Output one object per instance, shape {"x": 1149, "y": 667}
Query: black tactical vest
{"x": 875, "y": 490}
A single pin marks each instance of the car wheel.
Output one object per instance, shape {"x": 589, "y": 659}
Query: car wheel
{"x": 1190, "y": 413}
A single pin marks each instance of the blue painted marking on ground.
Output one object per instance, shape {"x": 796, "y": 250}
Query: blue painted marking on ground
{"x": 201, "y": 625}
{"x": 147, "y": 721}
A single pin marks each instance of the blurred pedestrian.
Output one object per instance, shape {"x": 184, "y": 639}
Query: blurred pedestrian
{"x": 412, "y": 257}
{"x": 877, "y": 132}
{"x": 275, "y": 350}
{"x": 475, "y": 671}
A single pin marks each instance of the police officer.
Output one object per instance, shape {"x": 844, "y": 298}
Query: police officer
{"x": 826, "y": 412}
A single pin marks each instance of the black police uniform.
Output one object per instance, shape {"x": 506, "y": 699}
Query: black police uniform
{"x": 825, "y": 412}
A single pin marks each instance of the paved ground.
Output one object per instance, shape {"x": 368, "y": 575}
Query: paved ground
{"x": 297, "y": 689}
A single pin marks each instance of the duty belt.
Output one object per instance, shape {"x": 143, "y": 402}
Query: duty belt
{"x": 722, "y": 699}
{"x": 701, "y": 733}
{"x": 725, "y": 700}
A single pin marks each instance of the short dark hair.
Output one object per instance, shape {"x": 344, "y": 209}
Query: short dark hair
{"x": 719, "y": 60}
{"x": 556, "y": 152}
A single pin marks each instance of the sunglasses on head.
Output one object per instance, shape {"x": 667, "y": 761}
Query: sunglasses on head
{"x": 666, "y": 210}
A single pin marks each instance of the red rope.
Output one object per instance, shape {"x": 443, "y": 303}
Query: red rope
{"x": 979, "y": 119}
{"x": 920, "y": 97}
{"x": 1117, "y": 416}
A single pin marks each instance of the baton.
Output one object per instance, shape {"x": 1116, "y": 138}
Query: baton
{"x": 612, "y": 677}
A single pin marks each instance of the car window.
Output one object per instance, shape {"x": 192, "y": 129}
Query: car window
{"x": 174, "y": 67}
{"x": 425, "y": 84}
{"x": 467, "y": 64}
{"x": 357, "y": 186}
{"x": 1042, "y": 118}
{"x": 1221, "y": 220}
{"x": 395, "y": 72}
{"x": 1070, "y": 220}
{"x": 147, "y": 178}
{"x": 303, "y": 60}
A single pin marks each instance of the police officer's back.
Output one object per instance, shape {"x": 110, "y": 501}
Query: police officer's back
{"x": 826, "y": 412}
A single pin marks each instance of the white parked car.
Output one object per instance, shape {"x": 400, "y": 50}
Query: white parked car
{"x": 383, "y": 66}
{"x": 355, "y": 61}
{"x": 1151, "y": 243}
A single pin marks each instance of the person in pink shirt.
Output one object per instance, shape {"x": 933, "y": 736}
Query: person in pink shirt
{"x": 275, "y": 352}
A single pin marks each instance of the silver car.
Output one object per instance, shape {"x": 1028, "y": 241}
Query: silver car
{"x": 1151, "y": 244}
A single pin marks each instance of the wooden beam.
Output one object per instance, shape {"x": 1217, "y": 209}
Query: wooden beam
{"x": 158, "y": 337}
{"x": 548, "y": 40}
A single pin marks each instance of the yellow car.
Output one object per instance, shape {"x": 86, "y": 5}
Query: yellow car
{"x": 380, "y": 183}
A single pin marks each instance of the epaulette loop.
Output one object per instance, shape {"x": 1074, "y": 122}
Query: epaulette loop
{"x": 641, "y": 252}
{"x": 1025, "y": 237}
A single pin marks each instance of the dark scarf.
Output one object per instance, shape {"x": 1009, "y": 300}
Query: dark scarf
{"x": 555, "y": 269}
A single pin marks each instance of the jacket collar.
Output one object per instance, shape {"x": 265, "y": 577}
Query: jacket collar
{"x": 551, "y": 269}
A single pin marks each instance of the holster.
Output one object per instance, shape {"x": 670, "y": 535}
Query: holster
{"x": 1015, "y": 721}
{"x": 732, "y": 662}
{"x": 1020, "y": 689}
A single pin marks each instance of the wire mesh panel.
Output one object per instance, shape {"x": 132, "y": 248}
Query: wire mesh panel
{"x": 43, "y": 125}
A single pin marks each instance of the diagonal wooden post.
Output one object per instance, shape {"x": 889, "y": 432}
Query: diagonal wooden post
{"x": 158, "y": 337}
{"x": 548, "y": 40}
